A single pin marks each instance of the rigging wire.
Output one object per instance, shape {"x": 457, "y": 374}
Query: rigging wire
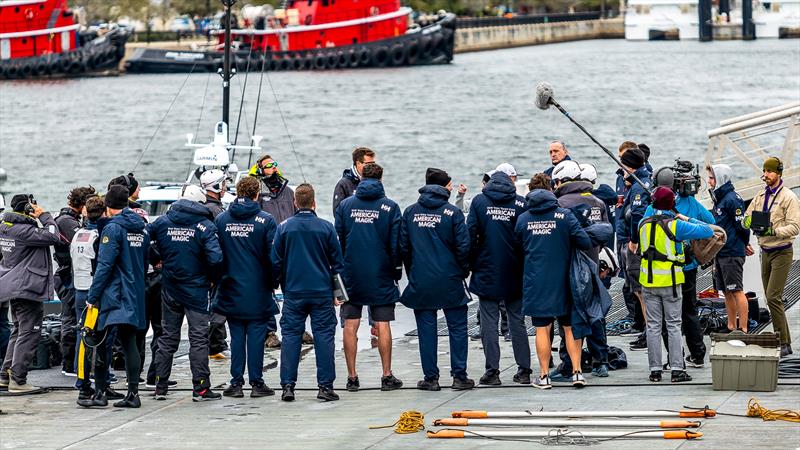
{"x": 286, "y": 127}
{"x": 242, "y": 112}
{"x": 161, "y": 122}
{"x": 241, "y": 103}
{"x": 258, "y": 104}
{"x": 200, "y": 119}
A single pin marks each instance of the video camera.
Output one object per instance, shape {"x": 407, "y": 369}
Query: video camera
{"x": 683, "y": 178}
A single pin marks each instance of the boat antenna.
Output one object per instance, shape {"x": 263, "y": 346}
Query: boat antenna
{"x": 226, "y": 64}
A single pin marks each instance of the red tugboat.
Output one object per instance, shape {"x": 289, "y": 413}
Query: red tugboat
{"x": 41, "y": 38}
{"x": 321, "y": 34}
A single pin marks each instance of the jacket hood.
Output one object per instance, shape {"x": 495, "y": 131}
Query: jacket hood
{"x": 500, "y": 188}
{"x": 129, "y": 220}
{"x": 351, "y": 175}
{"x": 433, "y": 195}
{"x": 243, "y": 208}
{"x": 723, "y": 173}
{"x": 370, "y": 189}
{"x": 187, "y": 212}
{"x": 15, "y": 217}
{"x": 574, "y": 187}
{"x": 607, "y": 194}
{"x": 539, "y": 200}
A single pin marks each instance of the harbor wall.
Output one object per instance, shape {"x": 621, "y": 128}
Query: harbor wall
{"x": 491, "y": 38}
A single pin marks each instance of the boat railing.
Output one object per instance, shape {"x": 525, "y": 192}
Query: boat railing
{"x": 744, "y": 142}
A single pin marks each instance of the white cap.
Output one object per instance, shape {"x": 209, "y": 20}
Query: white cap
{"x": 567, "y": 170}
{"x": 193, "y": 193}
{"x": 588, "y": 173}
{"x": 507, "y": 169}
{"x": 212, "y": 180}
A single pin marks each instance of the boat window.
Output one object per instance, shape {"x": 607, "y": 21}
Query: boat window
{"x": 309, "y": 2}
{"x": 324, "y": 2}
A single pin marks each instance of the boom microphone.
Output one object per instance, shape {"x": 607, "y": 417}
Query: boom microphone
{"x": 543, "y": 100}
{"x": 544, "y": 95}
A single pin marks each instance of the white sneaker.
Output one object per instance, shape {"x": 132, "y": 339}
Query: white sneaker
{"x": 577, "y": 380}
{"x": 542, "y": 382}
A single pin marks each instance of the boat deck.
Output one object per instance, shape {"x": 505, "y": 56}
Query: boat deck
{"x": 52, "y": 420}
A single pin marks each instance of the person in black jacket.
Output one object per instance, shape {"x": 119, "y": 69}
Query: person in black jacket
{"x": 26, "y": 282}
{"x": 186, "y": 240}
{"x": 306, "y": 255}
{"x": 497, "y": 273}
{"x": 729, "y": 264}
{"x": 215, "y": 183}
{"x": 68, "y": 221}
{"x": 352, "y": 176}
{"x": 245, "y": 294}
{"x": 434, "y": 245}
{"x": 368, "y": 225}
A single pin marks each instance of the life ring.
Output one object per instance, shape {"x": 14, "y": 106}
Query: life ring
{"x": 380, "y": 57}
{"x": 364, "y": 57}
{"x": 319, "y": 61}
{"x": 398, "y": 54}
{"x": 412, "y": 50}
{"x": 352, "y": 58}
{"x": 342, "y": 61}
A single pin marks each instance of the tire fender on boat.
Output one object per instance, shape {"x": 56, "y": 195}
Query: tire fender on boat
{"x": 364, "y": 57}
{"x": 285, "y": 63}
{"x": 352, "y": 58}
{"x": 2, "y": 69}
{"x": 436, "y": 42}
{"x": 25, "y": 68}
{"x": 319, "y": 61}
{"x": 399, "y": 54}
{"x": 412, "y": 50}
{"x": 342, "y": 61}
{"x": 380, "y": 56}
{"x": 425, "y": 47}
{"x": 331, "y": 60}
{"x": 40, "y": 68}
{"x": 297, "y": 62}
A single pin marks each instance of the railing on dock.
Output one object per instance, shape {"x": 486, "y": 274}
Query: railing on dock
{"x": 479, "y": 22}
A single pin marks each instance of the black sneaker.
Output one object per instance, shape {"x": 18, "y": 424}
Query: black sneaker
{"x": 111, "y": 394}
{"x": 491, "y": 378}
{"x": 429, "y": 385}
{"x": 130, "y": 401}
{"x": 151, "y": 384}
{"x": 655, "y": 376}
{"x": 390, "y": 383}
{"x": 261, "y": 390}
{"x": 160, "y": 393}
{"x": 85, "y": 393}
{"x": 475, "y": 337}
{"x": 639, "y": 344}
{"x": 697, "y": 363}
{"x": 204, "y": 395}
{"x": 288, "y": 393}
{"x": 462, "y": 384}
{"x": 353, "y": 384}
{"x": 327, "y": 394}
{"x": 234, "y": 390}
{"x": 99, "y": 400}
{"x": 507, "y": 337}
{"x": 523, "y": 376}
{"x": 680, "y": 376}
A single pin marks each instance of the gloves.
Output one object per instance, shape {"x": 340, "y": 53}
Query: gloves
{"x": 769, "y": 232}
{"x": 746, "y": 222}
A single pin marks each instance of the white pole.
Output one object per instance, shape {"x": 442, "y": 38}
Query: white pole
{"x": 563, "y": 423}
{"x": 469, "y": 414}
{"x": 457, "y": 434}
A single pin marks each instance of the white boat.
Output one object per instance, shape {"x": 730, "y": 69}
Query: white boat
{"x": 656, "y": 19}
{"x": 773, "y": 17}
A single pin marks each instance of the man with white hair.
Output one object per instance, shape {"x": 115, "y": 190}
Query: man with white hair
{"x": 186, "y": 239}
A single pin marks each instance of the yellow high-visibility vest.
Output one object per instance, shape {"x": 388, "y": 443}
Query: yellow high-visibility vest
{"x": 662, "y": 256}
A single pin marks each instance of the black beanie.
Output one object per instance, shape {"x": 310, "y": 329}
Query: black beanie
{"x": 19, "y": 201}
{"x": 633, "y": 158}
{"x": 646, "y": 150}
{"x": 116, "y": 197}
{"x": 128, "y": 181}
{"x": 436, "y": 176}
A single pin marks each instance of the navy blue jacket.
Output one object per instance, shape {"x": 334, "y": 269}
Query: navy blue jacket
{"x": 118, "y": 283}
{"x": 606, "y": 193}
{"x": 549, "y": 170}
{"x": 368, "y": 225}
{"x": 494, "y": 259}
{"x": 633, "y": 208}
{"x": 434, "y": 244}
{"x": 728, "y": 213}
{"x": 547, "y": 234}
{"x": 306, "y": 255}
{"x": 591, "y": 301}
{"x": 621, "y": 190}
{"x": 187, "y": 241}
{"x": 245, "y": 235}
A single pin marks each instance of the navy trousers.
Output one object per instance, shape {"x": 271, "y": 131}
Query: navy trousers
{"x": 597, "y": 343}
{"x": 429, "y": 341}
{"x": 247, "y": 344}
{"x": 323, "y": 326}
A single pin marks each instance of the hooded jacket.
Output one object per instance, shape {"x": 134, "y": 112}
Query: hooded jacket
{"x": 26, "y": 268}
{"x": 633, "y": 207}
{"x": 368, "y": 225}
{"x": 214, "y": 206}
{"x": 729, "y": 214}
{"x": 345, "y": 187}
{"x": 278, "y": 202}
{"x": 245, "y": 290}
{"x": 118, "y": 283}
{"x": 577, "y": 193}
{"x": 306, "y": 255}
{"x": 591, "y": 301}
{"x": 68, "y": 223}
{"x": 434, "y": 244}
{"x": 494, "y": 259}
{"x": 547, "y": 235}
{"x": 190, "y": 252}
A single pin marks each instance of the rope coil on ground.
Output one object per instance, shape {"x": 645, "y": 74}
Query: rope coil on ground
{"x": 754, "y": 409}
{"x": 409, "y": 422}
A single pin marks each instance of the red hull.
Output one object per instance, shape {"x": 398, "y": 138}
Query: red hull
{"x": 36, "y": 27}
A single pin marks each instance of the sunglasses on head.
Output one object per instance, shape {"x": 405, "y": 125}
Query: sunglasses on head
{"x": 269, "y": 165}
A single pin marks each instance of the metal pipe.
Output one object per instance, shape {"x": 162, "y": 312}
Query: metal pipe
{"x": 753, "y": 115}
{"x": 754, "y": 122}
{"x": 457, "y": 434}
{"x": 701, "y": 413}
{"x": 567, "y": 423}
{"x": 226, "y": 66}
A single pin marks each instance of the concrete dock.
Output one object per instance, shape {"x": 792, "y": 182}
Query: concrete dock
{"x": 52, "y": 420}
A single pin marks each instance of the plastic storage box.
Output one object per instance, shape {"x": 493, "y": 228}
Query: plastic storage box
{"x": 753, "y": 367}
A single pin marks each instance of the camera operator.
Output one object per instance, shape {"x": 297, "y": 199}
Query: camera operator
{"x": 774, "y": 216}
{"x": 684, "y": 180}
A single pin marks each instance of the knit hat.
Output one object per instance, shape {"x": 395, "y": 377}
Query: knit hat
{"x": 19, "y": 201}
{"x": 646, "y": 150}
{"x": 436, "y": 176}
{"x": 125, "y": 180}
{"x": 774, "y": 164}
{"x": 116, "y": 197}
{"x": 633, "y": 158}
{"x": 663, "y": 198}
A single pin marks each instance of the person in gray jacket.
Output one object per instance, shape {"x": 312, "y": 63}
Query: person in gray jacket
{"x": 26, "y": 281}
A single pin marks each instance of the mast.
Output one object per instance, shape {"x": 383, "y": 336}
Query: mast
{"x": 226, "y": 65}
